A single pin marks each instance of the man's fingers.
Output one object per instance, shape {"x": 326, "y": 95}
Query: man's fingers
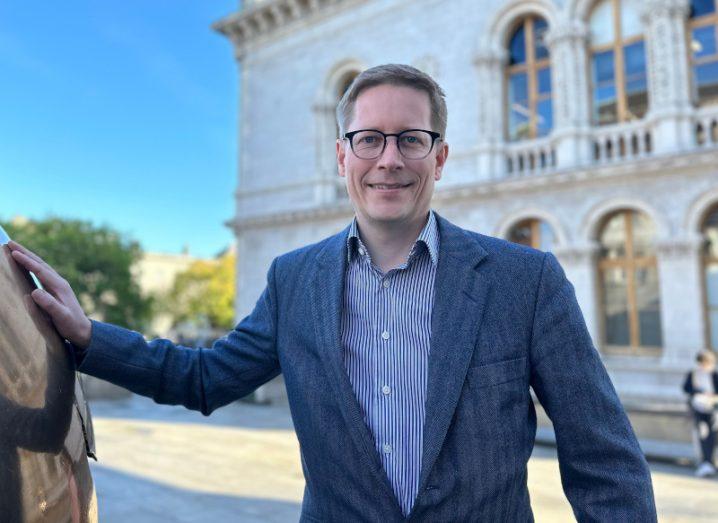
{"x": 47, "y": 276}
{"x": 50, "y": 304}
{"x": 15, "y": 246}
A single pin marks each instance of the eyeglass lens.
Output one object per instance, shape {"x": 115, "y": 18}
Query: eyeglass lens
{"x": 414, "y": 145}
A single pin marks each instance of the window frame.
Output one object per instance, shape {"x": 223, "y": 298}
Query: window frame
{"x": 695, "y": 23}
{"x": 629, "y": 263}
{"x": 705, "y": 261}
{"x": 617, "y": 46}
{"x": 531, "y": 68}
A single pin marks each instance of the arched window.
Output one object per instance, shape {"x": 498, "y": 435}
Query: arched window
{"x": 534, "y": 233}
{"x": 628, "y": 276}
{"x": 341, "y": 87}
{"x": 618, "y": 63}
{"x": 528, "y": 77}
{"x": 703, "y": 23}
{"x": 710, "y": 271}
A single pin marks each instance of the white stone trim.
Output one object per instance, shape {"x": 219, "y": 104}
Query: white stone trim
{"x": 698, "y": 209}
{"x": 592, "y": 220}
{"x": 503, "y": 227}
{"x": 503, "y": 20}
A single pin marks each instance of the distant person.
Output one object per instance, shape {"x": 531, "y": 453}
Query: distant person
{"x": 408, "y": 345}
{"x": 701, "y": 385}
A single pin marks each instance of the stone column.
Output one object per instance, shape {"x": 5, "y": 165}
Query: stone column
{"x": 670, "y": 107}
{"x": 681, "y": 281}
{"x": 567, "y": 43}
{"x": 579, "y": 263}
{"x": 490, "y": 146}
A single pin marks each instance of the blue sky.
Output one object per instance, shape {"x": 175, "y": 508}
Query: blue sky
{"x": 123, "y": 113}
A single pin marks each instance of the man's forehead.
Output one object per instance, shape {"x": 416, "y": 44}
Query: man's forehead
{"x": 393, "y": 104}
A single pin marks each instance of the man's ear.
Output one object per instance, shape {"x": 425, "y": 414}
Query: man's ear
{"x": 442, "y": 154}
{"x": 341, "y": 154}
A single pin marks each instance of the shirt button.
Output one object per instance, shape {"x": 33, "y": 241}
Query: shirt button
{"x": 385, "y": 284}
{"x": 385, "y": 335}
{"x": 386, "y": 389}
{"x": 362, "y": 251}
{"x": 387, "y": 448}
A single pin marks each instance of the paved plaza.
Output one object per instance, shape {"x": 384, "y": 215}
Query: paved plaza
{"x": 162, "y": 464}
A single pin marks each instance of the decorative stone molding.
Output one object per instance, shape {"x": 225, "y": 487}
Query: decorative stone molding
{"x": 260, "y": 20}
{"x": 578, "y": 255}
{"x": 698, "y": 210}
{"x": 676, "y": 248}
{"x": 594, "y": 218}
{"x": 502, "y": 230}
{"x": 649, "y": 8}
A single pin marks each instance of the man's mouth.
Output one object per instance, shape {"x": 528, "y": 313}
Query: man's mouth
{"x": 388, "y": 186}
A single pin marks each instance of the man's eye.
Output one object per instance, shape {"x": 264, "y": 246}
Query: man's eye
{"x": 367, "y": 139}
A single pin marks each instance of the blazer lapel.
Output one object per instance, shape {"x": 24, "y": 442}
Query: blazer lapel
{"x": 460, "y": 295}
{"x": 327, "y": 293}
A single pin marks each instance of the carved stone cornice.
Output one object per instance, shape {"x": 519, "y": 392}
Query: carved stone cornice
{"x": 677, "y": 248}
{"x": 258, "y": 21}
{"x": 578, "y": 255}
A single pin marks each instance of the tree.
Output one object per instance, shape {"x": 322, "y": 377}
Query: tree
{"x": 204, "y": 293}
{"x": 94, "y": 260}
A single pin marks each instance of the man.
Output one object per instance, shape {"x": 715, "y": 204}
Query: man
{"x": 407, "y": 345}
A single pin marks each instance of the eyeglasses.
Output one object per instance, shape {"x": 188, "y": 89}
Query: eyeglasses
{"x": 413, "y": 144}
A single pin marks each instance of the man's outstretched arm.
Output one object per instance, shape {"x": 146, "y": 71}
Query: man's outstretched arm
{"x": 200, "y": 379}
{"x": 603, "y": 471}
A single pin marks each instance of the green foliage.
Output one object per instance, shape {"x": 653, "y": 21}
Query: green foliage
{"x": 204, "y": 293}
{"x": 96, "y": 261}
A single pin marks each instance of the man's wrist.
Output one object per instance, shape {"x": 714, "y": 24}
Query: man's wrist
{"x": 82, "y": 341}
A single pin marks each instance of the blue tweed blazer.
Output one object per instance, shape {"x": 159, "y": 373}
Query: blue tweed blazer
{"x": 505, "y": 319}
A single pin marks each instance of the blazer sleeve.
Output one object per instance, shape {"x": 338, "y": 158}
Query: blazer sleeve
{"x": 199, "y": 378}
{"x": 603, "y": 471}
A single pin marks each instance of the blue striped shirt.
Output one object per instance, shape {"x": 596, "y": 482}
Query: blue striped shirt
{"x": 386, "y": 329}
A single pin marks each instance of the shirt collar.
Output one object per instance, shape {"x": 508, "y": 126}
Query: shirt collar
{"x": 429, "y": 236}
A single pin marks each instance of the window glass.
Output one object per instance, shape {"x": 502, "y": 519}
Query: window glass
{"x": 604, "y": 92}
{"x": 601, "y": 24}
{"x": 613, "y": 237}
{"x": 517, "y": 46}
{"x": 702, "y": 7}
{"x": 616, "y": 307}
{"x": 540, "y": 30}
{"x": 706, "y": 78}
{"x": 521, "y": 233}
{"x": 710, "y": 233}
{"x": 544, "y": 81}
{"x": 649, "y": 307}
{"x": 703, "y": 41}
{"x": 519, "y": 112}
{"x": 547, "y": 238}
{"x": 643, "y": 234}
{"x": 630, "y": 20}
{"x": 712, "y": 284}
{"x": 544, "y": 117}
{"x": 714, "y": 328}
{"x": 636, "y": 81}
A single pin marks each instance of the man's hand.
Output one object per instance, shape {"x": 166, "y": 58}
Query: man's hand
{"x": 57, "y": 299}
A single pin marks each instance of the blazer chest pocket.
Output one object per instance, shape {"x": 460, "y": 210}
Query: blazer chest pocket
{"x": 497, "y": 373}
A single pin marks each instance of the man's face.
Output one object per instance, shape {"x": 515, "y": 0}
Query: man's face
{"x": 391, "y": 190}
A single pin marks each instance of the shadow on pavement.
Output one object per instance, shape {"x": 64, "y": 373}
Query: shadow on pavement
{"x": 126, "y": 497}
{"x": 234, "y": 415}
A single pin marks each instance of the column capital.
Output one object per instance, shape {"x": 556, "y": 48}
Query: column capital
{"x": 655, "y": 8}
{"x": 570, "y": 31}
{"x": 673, "y": 248}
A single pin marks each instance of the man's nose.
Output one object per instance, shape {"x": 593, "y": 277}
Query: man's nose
{"x": 391, "y": 158}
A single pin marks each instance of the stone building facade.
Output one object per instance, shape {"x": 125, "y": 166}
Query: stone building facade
{"x": 585, "y": 127}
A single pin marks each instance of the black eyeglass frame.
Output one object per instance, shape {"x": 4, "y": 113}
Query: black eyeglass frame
{"x": 434, "y": 138}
